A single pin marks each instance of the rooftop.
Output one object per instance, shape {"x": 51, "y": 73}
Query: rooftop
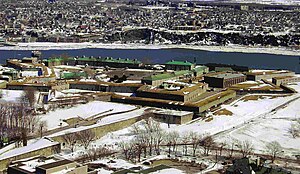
{"x": 177, "y": 62}
{"x": 184, "y": 90}
{"x": 226, "y": 75}
{"x": 166, "y": 75}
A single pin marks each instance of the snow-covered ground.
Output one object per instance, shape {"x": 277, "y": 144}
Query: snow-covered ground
{"x": 229, "y": 48}
{"x": 252, "y": 120}
{"x": 55, "y": 118}
{"x": 273, "y": 126}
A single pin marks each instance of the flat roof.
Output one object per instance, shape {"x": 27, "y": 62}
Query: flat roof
{"x": 55, "y": 164}
{"x": 177, "y": 62}
{"x": 226, "y": 75}
{"x": 184, "y": 91}
{"x": 285, "y": 77}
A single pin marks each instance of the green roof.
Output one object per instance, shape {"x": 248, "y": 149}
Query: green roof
{"x": 173, "y": 62}
{"x": 73, "y": 75}
{"x": 167, "y": 75}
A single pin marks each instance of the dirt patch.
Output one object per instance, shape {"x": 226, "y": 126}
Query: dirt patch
{"x": 208, "y": 119}
{"x": 223, "y": 112}
{"x": 72, "y": 121}
{"x": 252, "y": 97}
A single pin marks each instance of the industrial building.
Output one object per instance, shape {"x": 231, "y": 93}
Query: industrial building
{"x": 223, "y": 80}
{"x": 158, "y": 79}
{"x": 43, "y": 165}
{"x": 94, "y": 62}
{"x": 179, "y": 65}
{"x": 173, "y": 91}
{"x": 285, "y": 80}
{"x": 255, "y": 75}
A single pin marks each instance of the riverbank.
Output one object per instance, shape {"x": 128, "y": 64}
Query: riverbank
{"x": 231, "y": 48}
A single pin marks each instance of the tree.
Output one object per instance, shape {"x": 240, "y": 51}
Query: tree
{"x": 100, "y": 152}
{"x": 42, "y": 128}
{"x": 125, "y": 147}
{"x": 85, "y": 137}
{"x": 70, "y": 140}
{"x": 232, "y": 143}
{"x": 195, "y": 141}
{"x": 245, "y": 147}
{"x": 185, "y": 140}
{"x": 294, "y": 130}
{"x": 29, "y": 96}
{"x": 207, "y": 142}
{"x": 274, "y": 149}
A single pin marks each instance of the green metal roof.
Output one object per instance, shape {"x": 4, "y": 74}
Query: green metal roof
{"x": 167, "y": 75}
{"x": 72, "y": 75}
{"x": 173, "y": 62}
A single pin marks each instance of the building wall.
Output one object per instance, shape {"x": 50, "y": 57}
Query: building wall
{"x": 158, "y": 95}
{"x": 158, "y": 82}
{"x": 104, "y": 129}
{"x": 217, "y": 102}
{"x": 233, "y": 81}
{"x": 179, "y": 67}
{"x": 279, "y": 82}
{"x": 22, "y": 87}
{"x": 174, "y": 119}
{"x": 59, "y": 168}
{"x": 214, "y": 82}
{"x": 79, "y": 170}
{"x": 223, "y": 83}
{"x": 268, "y": 76}
{"x": 104, "y": 88}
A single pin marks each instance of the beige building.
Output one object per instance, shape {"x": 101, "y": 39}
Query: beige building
{"x": 285, "y": 80}
{"x": 42, "y": 165}
{"x": 173, "y": 91}
{"x": 256, "y": 75}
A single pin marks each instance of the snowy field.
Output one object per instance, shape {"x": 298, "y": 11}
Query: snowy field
{"x": 84, "y": 111}
{"x": 273, "y": 126}
{"x": 228, "y": 48}
{"x": 253, "y": 120}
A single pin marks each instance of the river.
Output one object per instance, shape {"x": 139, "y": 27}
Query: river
{"x": 252, "y": 60}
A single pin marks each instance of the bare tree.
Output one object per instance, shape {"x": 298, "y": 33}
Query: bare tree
{"x": 29, "y": 96}
{"x": 125, "y": 147}
{"x": 185, "y": 140}
{"x": 232, "y": 143}
{"x": 42, "y": 128}
{"x": 85, "y": 137}
{"x": 100, "y": 152}
{"x": 70, "y": 140}
{"x": 195, "y": 141}
{"x": 274, "y": 149}
{"x": 207, "y": 142}
{"x": 245, "y": 147}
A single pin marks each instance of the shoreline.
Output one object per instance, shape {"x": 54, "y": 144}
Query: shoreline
{"x": 70, "y": 46}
